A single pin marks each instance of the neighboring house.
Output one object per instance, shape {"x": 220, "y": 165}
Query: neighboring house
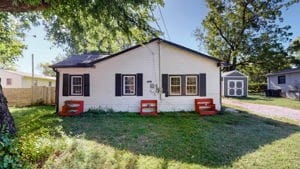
{"x": 161, "y": 70}
{"x": 234, "y": 84}
{"x": 288, "y": 81}
{"x": 14, "y": 79}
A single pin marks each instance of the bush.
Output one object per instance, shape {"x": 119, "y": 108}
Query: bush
{"x": 99, "y": 110}
{"x": 257, "y": 87}
{"x": 36, "y": 147}
{"x": 9, "y": 153}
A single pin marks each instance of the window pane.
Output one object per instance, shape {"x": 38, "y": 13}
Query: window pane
{"x": 77, "y": 89}
{"x": 77, "y": 81}
{"x": 191, "y": 80}
{"x": 175, "y": 89}
{"x": 76, "y": 85}
{"x": 129, "y": 85}
{"x": 191, "y": 85}
{"x": 129, "y": 80}
{"x": 129, "y": 89}
{"x": 191, "y": 90}
{"x": 175, "y": 81}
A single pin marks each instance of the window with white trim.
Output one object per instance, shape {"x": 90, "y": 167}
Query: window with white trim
{"x": 175, "y": 85}
{"x": 191, "y": 85}
{"x": 76, "y": 85}
{"x": 129, "y": 86}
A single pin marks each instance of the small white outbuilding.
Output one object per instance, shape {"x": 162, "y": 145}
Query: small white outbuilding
{"x": 234, "y": 84}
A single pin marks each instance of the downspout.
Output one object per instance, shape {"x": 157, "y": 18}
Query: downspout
{"x": 56, "y": 90}
{"x": 159, "y": 71}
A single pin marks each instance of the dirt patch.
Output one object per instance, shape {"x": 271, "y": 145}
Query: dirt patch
{"x": 268, "y": 110}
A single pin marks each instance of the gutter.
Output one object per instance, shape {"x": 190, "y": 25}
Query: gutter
{"x": 56, "y": 90}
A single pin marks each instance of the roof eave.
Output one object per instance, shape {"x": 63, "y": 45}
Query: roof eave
{"x": 72, "y": 66}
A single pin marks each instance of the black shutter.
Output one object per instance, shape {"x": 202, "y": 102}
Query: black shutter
{"x": 66, "y": 85}
{"x": 86, "y": 84}
{"x": 139, "y": 84}
{"x": 165, "y": 84}
{"x": 118, "y": 84}
{"x": 202, "y": 83}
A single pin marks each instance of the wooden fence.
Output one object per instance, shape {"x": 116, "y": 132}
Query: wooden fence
{"x": 30, "y": 96}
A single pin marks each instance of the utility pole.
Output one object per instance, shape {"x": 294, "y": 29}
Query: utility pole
{"x": 32, "y": 78}
{"x": 32, "y": 69}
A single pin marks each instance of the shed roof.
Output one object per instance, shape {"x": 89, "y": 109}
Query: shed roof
{"x": 233, "y": 73}
{"x": 286, "y": 71}
{"x": 88, "y": 60}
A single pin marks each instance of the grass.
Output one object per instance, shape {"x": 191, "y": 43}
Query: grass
{"x": 259, "y": 99}
{"x": 171, "y": 140}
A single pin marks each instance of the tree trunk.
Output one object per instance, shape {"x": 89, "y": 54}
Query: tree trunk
{"x": 234, "y": 61}
{"x": 6, "y": 120}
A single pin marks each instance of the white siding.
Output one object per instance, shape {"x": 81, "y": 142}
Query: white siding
{"x": 16, "y": 80}
{"x": 145, "y": 60}
{"x": 291, "y": 81}
{"x": 27, "y": 82}
{"x": 21, "y": 81}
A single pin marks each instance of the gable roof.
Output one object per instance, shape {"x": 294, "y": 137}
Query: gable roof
{"x": 286, "y": 71}
{"x": 83, "y": 60}
{"x": 233, "y": 73}
{"x": 88, "y": 60}
{"x": 28, "y": 74}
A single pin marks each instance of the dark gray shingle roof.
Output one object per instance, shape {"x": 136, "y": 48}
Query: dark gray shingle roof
{"x": 83, "y": 60}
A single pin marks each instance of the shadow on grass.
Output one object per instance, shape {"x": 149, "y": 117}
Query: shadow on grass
{"x": 255, "y": 98}
{"x": 186, "y": 137}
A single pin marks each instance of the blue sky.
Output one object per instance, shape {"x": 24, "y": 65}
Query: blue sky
{"x": 182, "y": 17}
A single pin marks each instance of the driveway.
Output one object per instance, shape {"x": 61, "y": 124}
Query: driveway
{"x": 268, "y": 110}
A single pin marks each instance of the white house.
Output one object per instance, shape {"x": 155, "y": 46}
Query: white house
{"x": 161, "y": 70}
{"x": 14, "y": 79}
{"x": 288, "y": 81}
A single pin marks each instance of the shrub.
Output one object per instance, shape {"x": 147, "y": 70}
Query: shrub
{"x": 100, "y": 110}
{"x": 257, "y": 87}
{"x": 9, "y": 153}
{"x": 36, "y": 147}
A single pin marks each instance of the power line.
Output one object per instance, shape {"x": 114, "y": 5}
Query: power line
{"x": 163, "y": 20}
{"x": 157, "y": 24}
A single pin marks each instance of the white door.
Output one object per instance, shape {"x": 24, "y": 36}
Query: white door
{"x": 235, "y": 87}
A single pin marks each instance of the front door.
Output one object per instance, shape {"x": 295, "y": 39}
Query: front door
{"x": 235, "y": 87}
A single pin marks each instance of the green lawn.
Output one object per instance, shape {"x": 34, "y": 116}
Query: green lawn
{"x": 171, "y": 140}
{"x": 259, "y": 99}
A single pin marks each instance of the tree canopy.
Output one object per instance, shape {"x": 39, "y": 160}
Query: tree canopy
{"x": 11, "y": 45}
{"x": 103, "y": 25}
{"x": 246, "y": 33}
{"x": 294, "y": 51}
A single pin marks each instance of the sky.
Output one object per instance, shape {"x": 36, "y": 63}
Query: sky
{"x": 181, "y": 17}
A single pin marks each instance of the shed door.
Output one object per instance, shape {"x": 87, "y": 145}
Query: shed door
{"x": 235, "y": 87}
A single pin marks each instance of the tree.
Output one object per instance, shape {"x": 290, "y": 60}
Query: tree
{"x": 244, "y": 32}
{"x": 45, "y": 67}
{"x": 11, "y": 45}
{"x": 11, "y": 48}
{"x": 294, "y": 51}
{"x": 83, "y": 25}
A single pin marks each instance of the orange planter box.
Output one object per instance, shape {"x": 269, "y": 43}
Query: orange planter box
{"x": 148, "y": 107}
{"x": 205, "y": 106}
{"x": 72, "y": 108}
